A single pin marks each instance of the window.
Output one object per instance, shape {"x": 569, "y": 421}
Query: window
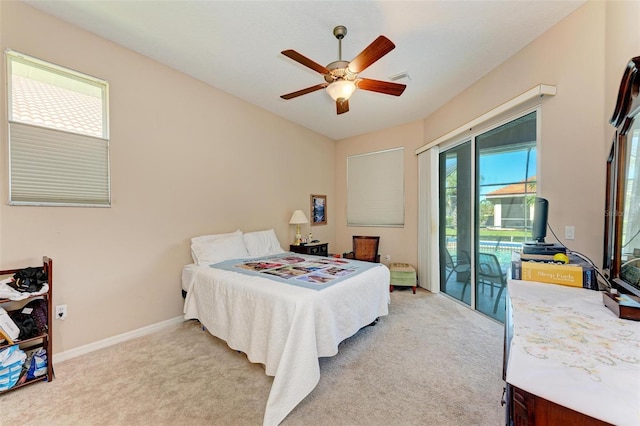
{"x": 375, "y": 189}
{"x": 58, "y": 135}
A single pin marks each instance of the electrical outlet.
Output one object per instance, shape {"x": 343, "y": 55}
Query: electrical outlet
{"x": 387, "y": 257}
{"x": 569, "y": 232}
{"x": 61, "y": 311}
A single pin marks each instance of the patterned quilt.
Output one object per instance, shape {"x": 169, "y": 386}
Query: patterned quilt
{"x": 307, "y": 271}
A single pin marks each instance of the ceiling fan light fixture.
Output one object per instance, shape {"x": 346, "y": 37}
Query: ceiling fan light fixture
{"x": 341, "y": 89}
{"x": 341, "y": 77}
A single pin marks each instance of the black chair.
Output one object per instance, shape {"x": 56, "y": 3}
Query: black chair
{"x": 453, "y": 264}
{"x": 490, "y": 273}
{"x": 364, "y": 248}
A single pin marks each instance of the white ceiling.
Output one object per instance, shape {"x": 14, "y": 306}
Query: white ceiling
{"x": 444, "y": 46}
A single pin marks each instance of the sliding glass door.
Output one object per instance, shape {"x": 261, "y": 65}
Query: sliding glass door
{"x": 456, "y": 222}
{"x": 487, "y": 187}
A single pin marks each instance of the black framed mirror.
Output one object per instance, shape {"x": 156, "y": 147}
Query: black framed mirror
{"x": 622, "y": 218}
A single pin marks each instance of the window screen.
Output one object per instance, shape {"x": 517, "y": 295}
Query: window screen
{"x": 58, "y": 135}
{"x": 375, "y": 189}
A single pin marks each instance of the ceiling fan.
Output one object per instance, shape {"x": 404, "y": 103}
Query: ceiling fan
{"x": 341, "y": 77}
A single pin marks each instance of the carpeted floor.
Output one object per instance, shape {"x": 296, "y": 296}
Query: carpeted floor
{"x": 430, "y": 362}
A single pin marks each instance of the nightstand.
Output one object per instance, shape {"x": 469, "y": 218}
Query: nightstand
{"x": 316, "y": 249}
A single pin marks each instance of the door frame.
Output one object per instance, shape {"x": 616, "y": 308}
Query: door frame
{"x": 428, "y": 176}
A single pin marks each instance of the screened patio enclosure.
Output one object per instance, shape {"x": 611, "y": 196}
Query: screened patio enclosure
{"x": 487, "y": 192}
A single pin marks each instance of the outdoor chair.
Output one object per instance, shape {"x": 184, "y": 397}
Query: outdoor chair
{"x": 452, "y": 264}
{"x": 490, "y": 273}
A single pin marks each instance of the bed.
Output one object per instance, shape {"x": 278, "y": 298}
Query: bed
{"x": 287, "y": 318}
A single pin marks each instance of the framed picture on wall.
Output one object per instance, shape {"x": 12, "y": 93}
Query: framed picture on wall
{"x": 318, "y": 209}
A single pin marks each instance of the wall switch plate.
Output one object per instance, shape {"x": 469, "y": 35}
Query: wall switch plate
{"x": 569, "y": 232}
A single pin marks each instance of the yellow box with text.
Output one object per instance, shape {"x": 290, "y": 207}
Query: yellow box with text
{"x": 552, "y": 273}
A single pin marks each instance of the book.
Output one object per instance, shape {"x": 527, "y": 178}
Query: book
{"x": 574, "y": 274}
{"x": 8, "y": 327}
{"x": 5, "y": 337}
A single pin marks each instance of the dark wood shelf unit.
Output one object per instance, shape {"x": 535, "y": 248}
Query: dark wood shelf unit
{"x": 45, "y": 339}
{"x": 27, "y": 383}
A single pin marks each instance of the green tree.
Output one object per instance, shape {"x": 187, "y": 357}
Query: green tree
{"x": 486, "y": 210}
{"x": 451, "y": 194}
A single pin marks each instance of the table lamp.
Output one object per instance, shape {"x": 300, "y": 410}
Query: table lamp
{"x": 298, "y": 218}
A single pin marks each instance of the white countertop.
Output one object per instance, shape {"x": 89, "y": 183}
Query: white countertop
{"x": 570, "y": 349}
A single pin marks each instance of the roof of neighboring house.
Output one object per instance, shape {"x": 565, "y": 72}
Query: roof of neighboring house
{"x": 518, "y": 188}
{"x": 42, "y": 104}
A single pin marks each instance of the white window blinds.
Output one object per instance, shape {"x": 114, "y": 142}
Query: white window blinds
{"x": 375, "y": 189}
{"x": 58, "y": 135}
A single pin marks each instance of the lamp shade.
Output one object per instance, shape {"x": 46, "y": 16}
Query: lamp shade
{"x": 341, "y": 89}
{"x": 298, "y": 217}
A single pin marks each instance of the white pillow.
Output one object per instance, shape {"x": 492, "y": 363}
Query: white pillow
{"x": 219, "y": 250}
{"x": 207, "y": 238}
{"x": 262, "y": 243}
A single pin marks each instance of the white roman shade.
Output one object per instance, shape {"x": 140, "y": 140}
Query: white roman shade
{"x": 49, "y": 166}
{"x": 375, "y": 189}
{"x": 58, "y": 135}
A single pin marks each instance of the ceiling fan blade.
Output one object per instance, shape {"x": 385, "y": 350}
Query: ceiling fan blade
{"x": 304, "y": 91}
{"x": 305, "y": 61}
{"x": 386, "y": 87}
{"x": 342, "y": 106}
{"x": 376, "y": 50}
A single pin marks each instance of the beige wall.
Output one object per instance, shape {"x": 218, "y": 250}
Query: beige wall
{"x": 186, "y": 160}
{"x": 399, "y": 243}
{"x": 583, "y": 55}
{"x": 622, "y": 42}
{"x": 571, "y": 151}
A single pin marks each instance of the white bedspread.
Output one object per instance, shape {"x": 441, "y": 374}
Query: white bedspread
{"x": 284, "y": 327}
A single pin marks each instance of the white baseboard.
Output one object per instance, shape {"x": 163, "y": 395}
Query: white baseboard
{"x": 100, "y": 344}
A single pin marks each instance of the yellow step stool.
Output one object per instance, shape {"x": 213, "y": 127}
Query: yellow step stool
{"x": 402, "y": 275}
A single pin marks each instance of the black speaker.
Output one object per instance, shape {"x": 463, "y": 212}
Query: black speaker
{"x": 540, "y": 218}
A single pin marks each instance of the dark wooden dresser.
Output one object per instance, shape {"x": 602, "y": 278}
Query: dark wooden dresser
{"x": 568, "y": 360}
